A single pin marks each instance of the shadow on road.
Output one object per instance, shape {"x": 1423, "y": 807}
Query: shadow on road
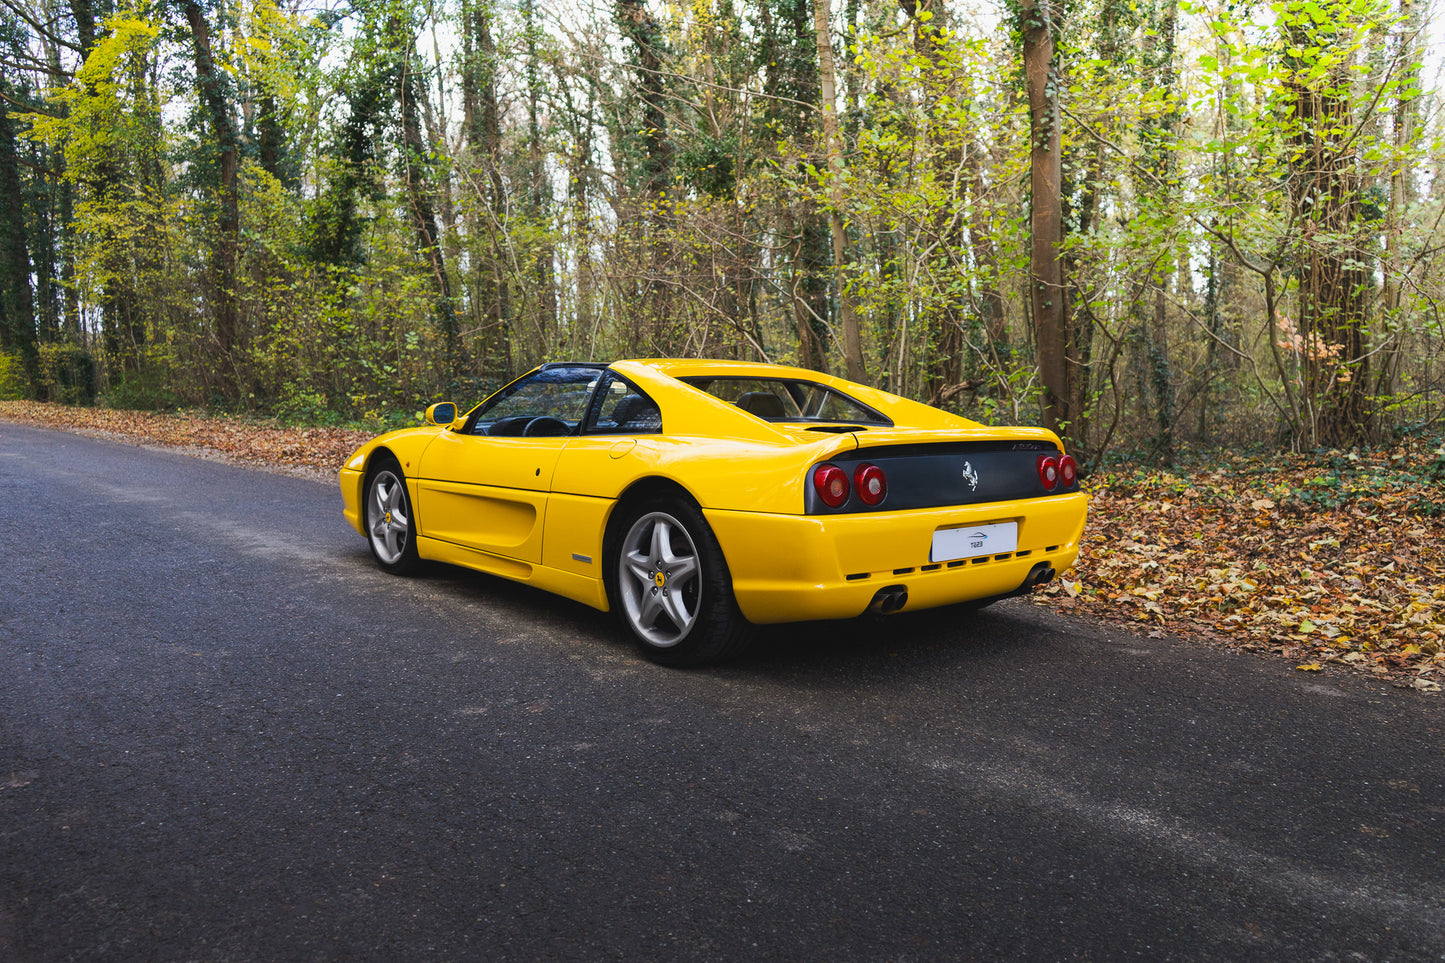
{"x": 848, "y": 649}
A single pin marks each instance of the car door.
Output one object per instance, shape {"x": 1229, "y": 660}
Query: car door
{"x": 484, "y": 486}
{"x": 593, "y": 469}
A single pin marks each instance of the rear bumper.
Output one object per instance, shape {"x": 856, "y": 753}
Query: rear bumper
{"x": 790, "y": 568}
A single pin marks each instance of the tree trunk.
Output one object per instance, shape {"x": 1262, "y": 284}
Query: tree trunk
{"x": 985, "y": 259}
{"x": 1404, "y": 58}
{"x": 273, "y": 140}
{"x": 120, "y": 331}
{"x": 789, "y": 54}
{"x": 643, "y": 30}
{"x": 1157, "y": 134}
{"x": 539, "y": 189}
{"x": 211, "y": 87}
{"x": 1325, "y": 191}
{"x": 579, "y": 181}
{"x": 482, "y": 117}
{"x": 1047, "y": 293}
{"x": 419, "y": 197}
{"x": 852, "y": 343}
{"x": 945, "y": 158}
{"x": 807, "y": 290}
{"x": 17, "y": 302}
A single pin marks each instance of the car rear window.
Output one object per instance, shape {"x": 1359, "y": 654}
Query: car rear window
{"x": 789, "y": 399}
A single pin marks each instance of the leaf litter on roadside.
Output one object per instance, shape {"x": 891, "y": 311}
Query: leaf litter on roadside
{"x": 316, "y": 449}
{"x": 1330, "y": 560}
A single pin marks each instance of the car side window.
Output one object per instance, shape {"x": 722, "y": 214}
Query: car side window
{"x": 546, "y": 403}
{"x": 624, "y": 409}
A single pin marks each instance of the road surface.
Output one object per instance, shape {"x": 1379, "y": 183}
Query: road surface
{"x": 225, "y": 735}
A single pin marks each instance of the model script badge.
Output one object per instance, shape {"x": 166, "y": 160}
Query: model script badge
{"x": 970, "y": 476}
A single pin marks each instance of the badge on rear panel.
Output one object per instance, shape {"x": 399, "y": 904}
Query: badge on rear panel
{"x": 970, "y": 476}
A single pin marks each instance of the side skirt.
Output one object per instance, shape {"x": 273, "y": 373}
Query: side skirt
{"x": 579, "y": 588}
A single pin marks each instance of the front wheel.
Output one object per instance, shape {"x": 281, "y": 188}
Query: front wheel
{"x": 673, "y": 590}
{"x": 390, "y": 524}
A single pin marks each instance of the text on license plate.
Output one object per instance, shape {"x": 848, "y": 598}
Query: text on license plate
{"x": 974, "y": 540}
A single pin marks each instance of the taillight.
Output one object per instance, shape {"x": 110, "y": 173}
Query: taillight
{"x": 1068, "y": 471}
{"x": 831, "y": 484}
{"x": 871, "y": 483}
{"x": 1049, "y": 472}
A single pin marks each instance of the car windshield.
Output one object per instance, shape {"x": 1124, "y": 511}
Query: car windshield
{"x": 547, "y": 402}
{"x": 789, "y": 399}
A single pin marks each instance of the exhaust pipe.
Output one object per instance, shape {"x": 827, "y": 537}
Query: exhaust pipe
{"x": 1040, "y": 574}
{"x": 888, "y": 600}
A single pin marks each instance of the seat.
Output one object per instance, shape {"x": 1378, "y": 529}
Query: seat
{"x": 636, "y": 413}
{"x": 764, "y": 404}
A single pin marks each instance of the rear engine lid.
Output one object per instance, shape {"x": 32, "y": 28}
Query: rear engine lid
{"x": 958, "y": 468}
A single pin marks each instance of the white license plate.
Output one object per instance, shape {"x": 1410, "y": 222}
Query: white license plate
{"x": 972, "y": 541}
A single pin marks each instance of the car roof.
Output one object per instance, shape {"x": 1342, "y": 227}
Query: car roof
{"x": 701, "y": 367}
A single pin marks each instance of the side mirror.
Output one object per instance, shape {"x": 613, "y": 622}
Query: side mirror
{"x": 443, "y": 413}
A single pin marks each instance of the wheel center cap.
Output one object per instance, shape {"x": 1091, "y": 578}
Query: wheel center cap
{"x": 388, "y": 518}
{"x": 659, "y": 579}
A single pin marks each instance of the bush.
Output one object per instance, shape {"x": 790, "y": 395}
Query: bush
{"x": 141, "y": 391}
{"x": 302, "y": 406}
{"x": 14, "y": 385}
{"x": 67, "y": 374}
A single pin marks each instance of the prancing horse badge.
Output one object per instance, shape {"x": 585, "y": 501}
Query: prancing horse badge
{"x": 970, "y": 476}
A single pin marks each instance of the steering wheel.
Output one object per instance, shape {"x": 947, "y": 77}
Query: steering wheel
{"x": 545, "y": 425}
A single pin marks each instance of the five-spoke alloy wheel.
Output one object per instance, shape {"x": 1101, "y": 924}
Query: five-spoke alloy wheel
{"x": 658, "y": 580}
{"x": 389, "y": 523}
{"x": 672, "y": 588}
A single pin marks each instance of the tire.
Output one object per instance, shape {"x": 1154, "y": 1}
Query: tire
{"x": 671, "y": 587}
{"x": 390, "y": 522}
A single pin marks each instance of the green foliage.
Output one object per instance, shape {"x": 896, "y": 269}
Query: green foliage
{"x": 708, "y": 164}
{"x": 14, "y": 385}
{"x": 142, "y": 391}
{"x": 66, "y": 374}
{"x": 1434, "y": 469}
{"x": 300, "y": 406}
{"x": 106, "y": 111}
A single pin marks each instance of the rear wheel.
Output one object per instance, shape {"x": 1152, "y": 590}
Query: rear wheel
{"x": 390, "y": 526}
{"x": 672, "y": 588}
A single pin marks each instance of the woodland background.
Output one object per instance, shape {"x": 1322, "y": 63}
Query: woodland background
{"x": 1151, "y": 224}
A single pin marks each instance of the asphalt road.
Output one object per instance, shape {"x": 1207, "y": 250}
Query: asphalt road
{"x": 225, "y": 735}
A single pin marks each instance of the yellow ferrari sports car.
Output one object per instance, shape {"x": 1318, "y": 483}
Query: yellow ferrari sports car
{"x": 696, "y": 498}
